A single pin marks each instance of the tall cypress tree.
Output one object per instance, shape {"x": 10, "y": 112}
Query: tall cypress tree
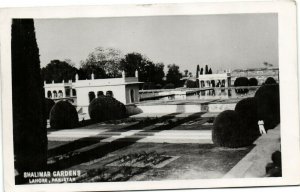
{"x": 206, "y": 69}
{"x": 197, "y": 76}
{"x": 29, "y": 123}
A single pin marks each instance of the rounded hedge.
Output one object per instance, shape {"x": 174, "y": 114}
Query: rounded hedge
{"x": 49, "y": 103}
{"x": 270, "y": 81}
{"x": 106, "y": 108}
{"x": 240, "y": 82}
{"x": 63, "y": 115}
{"x": 247, "y": 111}
{"x": 226, "y": 130}
{"x": 253, "y": 82}
{"x": 268, "y": 106}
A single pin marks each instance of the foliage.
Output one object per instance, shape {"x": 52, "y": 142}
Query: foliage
{"x": 173, "y": 75}
{"x": 169, "y": 86}
{"x": 29, "y": 122}
{"x": 209, "y": 71}
{"x": 270, "y": 81}
{"x": 268, "y": 103}
{"x": 63, "y": 115}
{"x": 197, "y": 71}
{"x": 190, "y": 84}
{"x": 106, "y": 108}
{"x": 186, "y": 72}
{"x": 85, "y": 72}
{"x": 148, "y": 85}
{"x": 247, "y": 111}
{"x": 58, "y": 71}
{"x": 241, "y": 81}
{"x": 274, "y": 169}
{"x": 206, "y": 69}
{"x": 148, "y": 71}
{"x": 253, "y": 82}
{"x": 228, "y": 130}
{"x": 106, "y": 59}
{"x": 49, "y": 103}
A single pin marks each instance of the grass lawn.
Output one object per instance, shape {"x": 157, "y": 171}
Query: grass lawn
{"x": 193, "y": 161}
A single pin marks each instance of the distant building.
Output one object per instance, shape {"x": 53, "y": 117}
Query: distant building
{"x": 261, "y": 74}
{"x": 222, "y": 79}
{"x": 59, "y": 90}
{"x": 124, "y": 89}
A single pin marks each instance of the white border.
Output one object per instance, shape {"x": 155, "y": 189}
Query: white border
{"x": 288, "y": 88}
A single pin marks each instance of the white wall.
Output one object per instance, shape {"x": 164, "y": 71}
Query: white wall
{"x": 136, "y": 93}
{"x": 83, "y": 93}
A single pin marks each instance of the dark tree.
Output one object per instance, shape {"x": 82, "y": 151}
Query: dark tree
{"x": 173, "y": 75}
{"x": 197, "y": 71}
{"x": 253, "y": 82}
{"x": 186, "y": 73}
{"x": 148, "y": 71}
{"x": 201, "y": 71}
{"x": 57, "y": 71}
{"x": 239, "y": 82}
{"x": 190, "y": 84}
{"x": 197, "y": 76}
{"x": 108, "y": 59}
{"x": 206, "y": 69}
{"x": 209, "y": 71}
{"x": 270, "y": 81}
{"x": 29, "y": 121}
{"x": 159, "y": 73}
{"x": 85, "y": 72}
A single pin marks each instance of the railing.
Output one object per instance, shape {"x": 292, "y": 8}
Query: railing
{"x": 198, "y": 93}
{"x": 196, "y": 89}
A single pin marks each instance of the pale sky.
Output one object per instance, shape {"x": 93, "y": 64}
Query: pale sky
{"x": 220, "y": 41}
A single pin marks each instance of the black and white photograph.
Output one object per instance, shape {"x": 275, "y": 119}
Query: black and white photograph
{"x": 146, "y": 98}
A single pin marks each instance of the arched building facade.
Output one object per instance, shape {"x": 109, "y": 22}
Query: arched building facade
{"x": 124, "y": 89}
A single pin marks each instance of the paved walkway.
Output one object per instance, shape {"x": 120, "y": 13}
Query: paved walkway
{"x": 139, "y": 136}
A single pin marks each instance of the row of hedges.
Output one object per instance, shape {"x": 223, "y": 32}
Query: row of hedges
{"x": 244, "y": 81}
{"x": 239, "y": 128}
{"x": 63, "y": 115}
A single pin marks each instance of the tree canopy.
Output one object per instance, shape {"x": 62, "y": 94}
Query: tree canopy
{"x": 148, "y": 71}
{"x": 174, "y": 75}
{"x": 108, "y": 59}
{"x": 58, "y": 71}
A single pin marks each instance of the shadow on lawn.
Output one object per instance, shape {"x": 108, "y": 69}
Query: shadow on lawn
{"x": 90, "y": 148}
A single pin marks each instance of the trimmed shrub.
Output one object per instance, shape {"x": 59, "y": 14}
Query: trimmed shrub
{"x": 268, "y": 106}
{"x": 247, "y": 111}
{"x": 169, "y": 86}
{"x": 149, "y": 85}
{"x": 270, "y": 81}
{"x": 253, "y": 82}
{"x": 190, "y": 84}
{"x": 227, "y": 130}
{"x": 29, "y": 122}
{"x": 241, "y": 81}
{"x": 49, "y": 103}
{"x": 63, "y": 115}
{"x": 106, "y": 108}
